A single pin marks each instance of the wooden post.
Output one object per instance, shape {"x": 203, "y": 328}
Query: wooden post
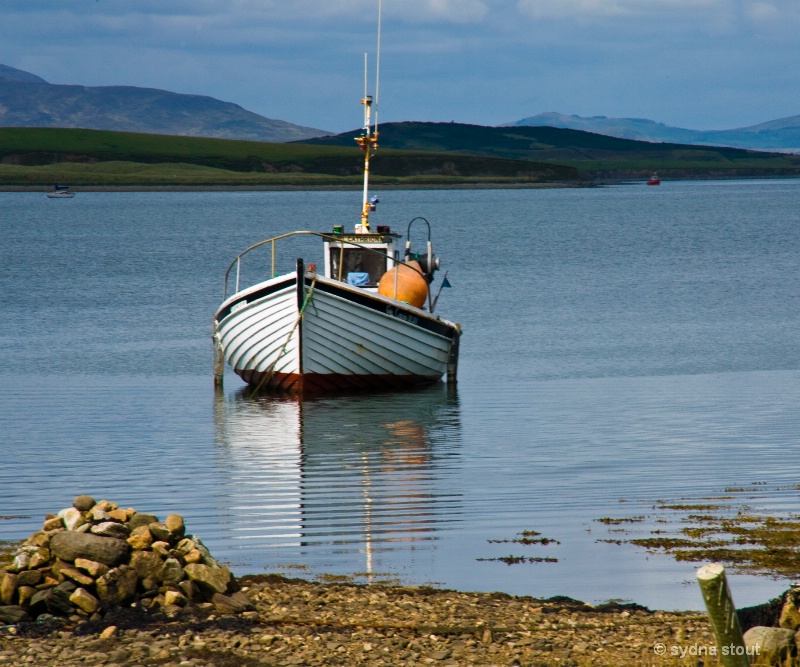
{"x": 452, "y": 359}
{"x": 219, "y": 360}
{"x": 722, "y": 612}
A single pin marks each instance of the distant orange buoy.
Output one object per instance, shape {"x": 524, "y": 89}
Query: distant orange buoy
{"x": 411, "y": 286}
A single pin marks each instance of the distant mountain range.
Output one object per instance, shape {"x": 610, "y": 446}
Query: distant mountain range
{"x": 27, "y": 100}
{"x": 782, "y": 135}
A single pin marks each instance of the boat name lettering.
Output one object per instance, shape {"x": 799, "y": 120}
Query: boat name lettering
{"x": 400, "y": 315}
{"x": 238, "y": 306}
{"x": 356, "y": 238}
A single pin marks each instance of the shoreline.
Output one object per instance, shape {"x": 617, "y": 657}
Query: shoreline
{"x": 290, "y": 188}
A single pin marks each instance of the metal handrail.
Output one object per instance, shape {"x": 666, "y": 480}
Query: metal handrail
{"x": 327, "y": 237}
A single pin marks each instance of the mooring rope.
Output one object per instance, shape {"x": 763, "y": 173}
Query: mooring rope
{"x": 300, "y": 314}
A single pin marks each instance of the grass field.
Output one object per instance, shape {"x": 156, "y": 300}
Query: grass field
{"x": 456, "y": 155}
{"x": 41, "y": 156}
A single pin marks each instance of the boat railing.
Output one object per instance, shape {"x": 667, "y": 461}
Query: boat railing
{"x": 332, "y": 238}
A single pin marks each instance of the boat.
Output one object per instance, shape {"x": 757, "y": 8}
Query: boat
{"x": 654, "y": 180}
{"x": 361, "y": 318}
{"x": 61, "y": 192}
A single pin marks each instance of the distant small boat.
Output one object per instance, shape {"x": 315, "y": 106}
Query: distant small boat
{"x": 60, "y": 192}
{"x": 654, "y": 180}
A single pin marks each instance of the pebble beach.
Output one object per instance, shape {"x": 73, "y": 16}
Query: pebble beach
{"x": 298, "y": 622}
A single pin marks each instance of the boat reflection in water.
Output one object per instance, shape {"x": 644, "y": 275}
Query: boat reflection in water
{"x": 337, "y": 483}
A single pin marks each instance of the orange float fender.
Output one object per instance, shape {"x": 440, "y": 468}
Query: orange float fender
{"x": 411, "y": 286}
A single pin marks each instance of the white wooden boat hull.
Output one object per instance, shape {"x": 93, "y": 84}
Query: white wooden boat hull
{"x": 345, "y": 339}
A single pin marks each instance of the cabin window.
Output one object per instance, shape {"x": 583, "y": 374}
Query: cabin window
{"x": 358, "y": 260}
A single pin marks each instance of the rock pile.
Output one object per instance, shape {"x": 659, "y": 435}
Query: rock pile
{"x": 94, "y": 556}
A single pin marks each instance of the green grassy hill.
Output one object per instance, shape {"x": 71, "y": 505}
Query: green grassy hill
{"x": 595, "y": 155}
{"x": 93, "y": 157}
{"x": 410, "y": 154}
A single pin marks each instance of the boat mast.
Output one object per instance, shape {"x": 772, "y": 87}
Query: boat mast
{"x": 368, "y": 141}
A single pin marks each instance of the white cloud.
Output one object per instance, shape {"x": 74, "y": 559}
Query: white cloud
{"x": 407, "y": 11}
{"x": 583, "y": 9}
{"x": 743, "y": 13}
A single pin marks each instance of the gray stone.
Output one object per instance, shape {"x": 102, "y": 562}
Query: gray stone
{"x": 68, "y": 546}
{"x": 161, "y": 548}
{"x": 105, "y": 506}
{"x": 118, "y": 586}
{"x": 770, "y": 644}
{"x": 29, "y": 578}
{"x": 22, "y": 559}
{"x": 213, "y": 579}
{"x": 54, "y": 523}
{"x": 53, "y": 600}
{"x": 77, "y": 576}
{"x": 146, "y": 564}
{"x": 207, "y": 558}
{"x": 171, "y": 572}
{"x": 111, "y": 529}
{"x": 91, "y": 567}
{"x": 140, "y": 519}
{"x": 149, "y": 585}
{"x": 160, "y": 532}
{"x": 39, "y": 558}
{"x": 12, "y": 614}
{"x": 231, "y": 604}
{"x": 185, "y": 546}
{"x": 96, "y": 514}
{"x": 73, "y": 518}
{"x": 191, "y": 590}
{"x": 83, "y": 503}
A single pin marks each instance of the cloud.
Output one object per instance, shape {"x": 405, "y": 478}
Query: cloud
{"x": 585, "y": 9}
{"x": 313, "y": 11}
{"x": 689, "y": 62}
{"x": 738, "y": 14}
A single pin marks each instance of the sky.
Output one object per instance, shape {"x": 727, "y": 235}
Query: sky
{"x": 697, "y": 64}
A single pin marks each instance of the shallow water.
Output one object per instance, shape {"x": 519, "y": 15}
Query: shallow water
{"x": 621, "y": 346}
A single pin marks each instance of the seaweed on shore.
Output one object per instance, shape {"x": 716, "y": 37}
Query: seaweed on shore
{"x": 525, "y": 538}
{"x": 731, "y": 533}
{"x": 516, "y": 560}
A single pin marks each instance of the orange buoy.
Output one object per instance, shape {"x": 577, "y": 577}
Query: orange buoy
{"x": 410, "y": 285}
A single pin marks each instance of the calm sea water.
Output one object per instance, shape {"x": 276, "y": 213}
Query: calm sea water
{"x": 622, "y": 346}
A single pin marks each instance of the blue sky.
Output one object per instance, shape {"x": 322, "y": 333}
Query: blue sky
{"x": 700, "y": 64}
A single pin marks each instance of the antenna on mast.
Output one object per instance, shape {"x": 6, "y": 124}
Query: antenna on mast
{"x": 378, "y": 69}
{"x": 368, "y": 141}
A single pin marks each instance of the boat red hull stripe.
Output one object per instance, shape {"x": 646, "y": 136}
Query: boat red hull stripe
{"x": 316, "y": 383}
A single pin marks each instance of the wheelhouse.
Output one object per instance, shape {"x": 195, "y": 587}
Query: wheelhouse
{"x": 360, "y": 259}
